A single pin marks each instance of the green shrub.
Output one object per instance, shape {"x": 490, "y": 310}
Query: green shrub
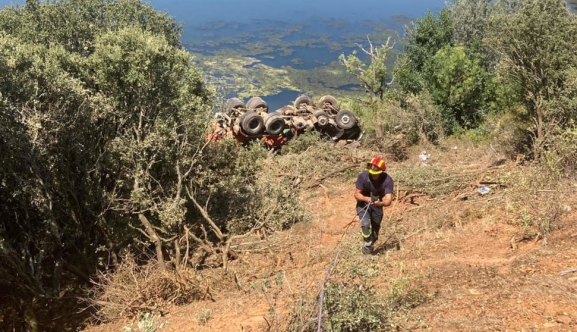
{"x": 302, "y": 142}
{"x": 561, "y": 155}
{"x": 352, "y": 301}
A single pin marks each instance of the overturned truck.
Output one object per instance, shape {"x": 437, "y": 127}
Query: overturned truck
{"x": 252, "y": 120}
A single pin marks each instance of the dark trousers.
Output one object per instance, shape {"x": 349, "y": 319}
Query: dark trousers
{"x": 370, "y": 218}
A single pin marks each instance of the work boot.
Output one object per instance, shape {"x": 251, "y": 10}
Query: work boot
{"x": 368, "y": 248}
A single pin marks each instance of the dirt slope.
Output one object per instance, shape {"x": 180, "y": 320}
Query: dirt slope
{"x": 483, "y": 270}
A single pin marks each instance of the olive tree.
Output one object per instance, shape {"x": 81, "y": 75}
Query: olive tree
{"x": 156, "y": 113}
{"x": 537, "y": 47}
{"x": 101, "y": 115}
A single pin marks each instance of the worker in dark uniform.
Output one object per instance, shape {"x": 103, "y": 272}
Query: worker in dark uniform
{"x": 373, "y": 191}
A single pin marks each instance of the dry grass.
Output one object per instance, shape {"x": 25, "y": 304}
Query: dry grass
{"x": 134, "y": 289}
{"x": 453, "y": 240}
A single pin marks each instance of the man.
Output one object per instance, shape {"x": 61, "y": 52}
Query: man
{"x": 374, "y": 191}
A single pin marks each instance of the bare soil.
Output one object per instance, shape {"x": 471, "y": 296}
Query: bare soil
{"x": 483, "y": 269}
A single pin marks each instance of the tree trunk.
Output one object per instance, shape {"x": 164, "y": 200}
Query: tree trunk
{"x": 155, "y": 238}
{"x": 177, "y": 253}
{"x": 540, "y": 124}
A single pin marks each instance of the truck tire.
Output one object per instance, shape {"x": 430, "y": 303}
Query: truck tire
{"x": 303, "y": 100}
{"x": 231, "y": 104}
{"x": 322, "y": 118}
{"x": 251, "y": 123}
{"x": 255, "y": 103}
{"x": 345, "y": 119}
{"x": 328, "y": 102}
{"x": 274, "y": 124}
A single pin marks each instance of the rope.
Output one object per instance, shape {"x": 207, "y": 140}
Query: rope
{"x": 333, "y": 264}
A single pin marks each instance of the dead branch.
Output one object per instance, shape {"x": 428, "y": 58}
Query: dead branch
{"x": 317, "y": 182}
{"x": 562, "y": 273}
{"x": 206, "y": 217}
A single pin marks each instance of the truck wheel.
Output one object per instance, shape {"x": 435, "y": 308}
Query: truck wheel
{"x": 303, "y": 100}
{"x": 345, "y": 119}
{"x": 322, "y": 118}
{"x": 231, "y": 104}
{"x": 251, "y": 123}
{"x": 328, "y": 102}
{"x": 274, "y": 124}
{"x": 255, "y": 103}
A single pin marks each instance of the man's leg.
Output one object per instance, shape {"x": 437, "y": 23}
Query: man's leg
{"x": 376, "y": 219}
{"x": 366, "y": 229}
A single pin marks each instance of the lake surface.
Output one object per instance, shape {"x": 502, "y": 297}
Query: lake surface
{"x": 303, "y": 35}
{"x": 197, "y": 13}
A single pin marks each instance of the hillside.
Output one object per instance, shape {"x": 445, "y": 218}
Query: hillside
{"x": 460, "y": 261}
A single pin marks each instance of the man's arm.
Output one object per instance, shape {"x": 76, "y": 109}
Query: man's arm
{"x": 360, "y": 197}
{"x": 386, "y": 200}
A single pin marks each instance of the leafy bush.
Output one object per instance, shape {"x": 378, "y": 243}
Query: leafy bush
{"x": 561, "y": 156}
{"x": 351, "y": 298}
{"x": 242, "y": 188}
{"x": 302, "y": 142}
{"x": 509, "y": 132}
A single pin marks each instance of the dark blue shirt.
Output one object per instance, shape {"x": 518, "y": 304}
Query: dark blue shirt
{"x": 380, "y": 187}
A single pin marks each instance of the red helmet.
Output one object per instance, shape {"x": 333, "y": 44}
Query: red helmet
{"x": 377, "y": 166}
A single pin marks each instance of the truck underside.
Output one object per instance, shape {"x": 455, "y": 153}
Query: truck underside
{"x": 253, "y": 121}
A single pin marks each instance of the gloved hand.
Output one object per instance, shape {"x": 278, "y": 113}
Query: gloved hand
{"x": 374, "y": 198}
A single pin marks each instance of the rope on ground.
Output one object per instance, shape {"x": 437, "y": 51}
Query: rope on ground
{"x": 330, "y": 269}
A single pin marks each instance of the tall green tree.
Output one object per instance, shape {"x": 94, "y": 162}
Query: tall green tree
{"x": 156, "y": 118}
{"x": 424, "y": 39}
{"x": 537, "y": 47}
{"x": 101, "y": 115}
{"x": 457, "y": 84}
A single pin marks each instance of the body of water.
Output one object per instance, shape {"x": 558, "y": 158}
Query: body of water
{"x": 197, "y": 13}
{"x": 299, "y": 34}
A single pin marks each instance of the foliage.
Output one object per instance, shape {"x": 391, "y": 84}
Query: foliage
{"x": 537, "y": 48}
{"x": 457, "y": 85}
{"x": 509, "y": 132}
{"x": 373, "y": 76}
{"x": 469, "y": 21}
{"x": 302, "y": 142}
{"x": 102, "y": 114}
{"x": 561, "y": 156}
{"x": 424, "y": 39}
{"x": 418, "y": 120}
{"x": 76, "y": 24}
